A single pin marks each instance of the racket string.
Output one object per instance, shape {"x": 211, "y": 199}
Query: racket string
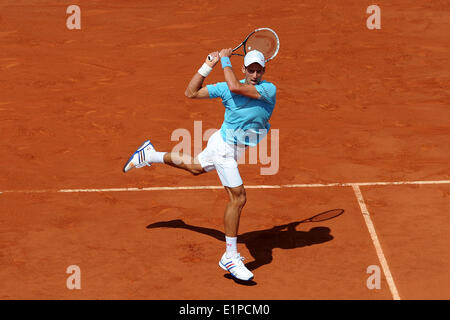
{"x": 264, "y": 41}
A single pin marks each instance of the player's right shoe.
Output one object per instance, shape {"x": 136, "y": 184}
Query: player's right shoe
{"x": 236, "y": 267}
{"x": 140, "y": 158}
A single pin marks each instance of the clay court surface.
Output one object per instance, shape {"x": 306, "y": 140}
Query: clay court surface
{"x": 353, "y": 106}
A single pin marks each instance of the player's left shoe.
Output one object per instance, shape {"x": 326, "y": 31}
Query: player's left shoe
{"x": 140, "y": 158}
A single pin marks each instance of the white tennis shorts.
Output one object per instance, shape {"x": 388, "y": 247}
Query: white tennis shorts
{"x": 222, "y": 157}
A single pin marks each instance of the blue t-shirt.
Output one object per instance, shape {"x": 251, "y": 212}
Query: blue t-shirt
{"x": 246, "y": 120}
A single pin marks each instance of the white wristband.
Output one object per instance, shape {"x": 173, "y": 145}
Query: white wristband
{"x": 205, "y": 70}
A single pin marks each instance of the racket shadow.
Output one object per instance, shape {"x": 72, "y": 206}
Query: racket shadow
{"x": 260, "y": 243}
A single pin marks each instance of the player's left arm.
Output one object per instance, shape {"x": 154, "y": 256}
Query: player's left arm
{"x": 234, "y": 84}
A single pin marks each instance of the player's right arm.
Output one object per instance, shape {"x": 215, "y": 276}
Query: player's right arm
{"x": 195, "y": 89}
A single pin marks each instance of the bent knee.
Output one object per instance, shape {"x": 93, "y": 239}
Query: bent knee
{"x": 239, "y": 200}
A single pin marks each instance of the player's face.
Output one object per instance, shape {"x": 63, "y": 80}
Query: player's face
{"x": 253, "y": 73}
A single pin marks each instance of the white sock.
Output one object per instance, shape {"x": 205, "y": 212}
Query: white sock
{"x": 231, "y": 246}
{"x": 156, "y": 157}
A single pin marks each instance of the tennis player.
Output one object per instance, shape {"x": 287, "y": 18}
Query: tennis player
{"x": 249, "y": 104}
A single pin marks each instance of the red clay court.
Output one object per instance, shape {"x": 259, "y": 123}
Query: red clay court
{"x": 363, "y": 119}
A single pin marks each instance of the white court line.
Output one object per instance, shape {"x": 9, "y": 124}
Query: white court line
{"x": 311, "y": 185}
{"x": 365, "y": 184}
{"x": 376, "y": 243}
{"x": 141, "y": 189}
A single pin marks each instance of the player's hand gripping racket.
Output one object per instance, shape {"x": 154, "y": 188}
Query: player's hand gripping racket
{"x": 264, "y": 40}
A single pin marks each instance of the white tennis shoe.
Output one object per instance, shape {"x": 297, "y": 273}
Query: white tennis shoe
{"x": 236, "y": 267}
{"x": 140, "y": 158}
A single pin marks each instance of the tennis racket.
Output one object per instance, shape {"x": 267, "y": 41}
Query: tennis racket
{"x": 264, "y": 40}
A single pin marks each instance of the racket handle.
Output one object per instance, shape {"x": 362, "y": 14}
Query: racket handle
{"x": 210, "y": 57}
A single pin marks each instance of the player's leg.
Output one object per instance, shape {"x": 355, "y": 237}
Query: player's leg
{"x": 183, "y": 161}
{"x": 146, "y": 155}
{"x": 231, "y": 259}
{"x": 237, "y": 199}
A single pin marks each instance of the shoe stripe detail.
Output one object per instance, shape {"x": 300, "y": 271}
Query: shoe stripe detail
{"x": 140, "y": 161}
{"x": 229, "y": 265}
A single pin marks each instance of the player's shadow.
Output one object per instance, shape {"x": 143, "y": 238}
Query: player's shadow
{"x": 260, "y": 243}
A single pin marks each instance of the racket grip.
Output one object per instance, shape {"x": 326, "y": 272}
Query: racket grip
{"x": 210, "y": 57}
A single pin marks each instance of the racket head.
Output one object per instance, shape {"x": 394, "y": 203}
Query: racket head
{"x": 264, "y": 40}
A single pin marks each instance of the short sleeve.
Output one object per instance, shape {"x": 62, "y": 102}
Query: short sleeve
{"x": 267, "y": 91}
{"x": 217, "y": 90}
